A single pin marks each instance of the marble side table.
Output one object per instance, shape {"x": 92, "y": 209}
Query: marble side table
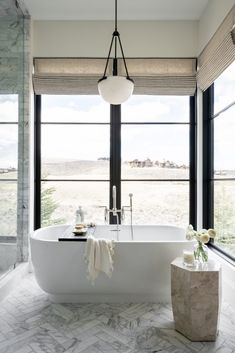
{"x": 196, "y": 297}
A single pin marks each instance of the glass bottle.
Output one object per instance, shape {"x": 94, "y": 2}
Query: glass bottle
{"x": 201, "y": 252}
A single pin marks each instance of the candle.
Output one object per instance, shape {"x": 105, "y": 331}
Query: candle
{"x": 114, "y": 198}
{"x": 188, "y": 257}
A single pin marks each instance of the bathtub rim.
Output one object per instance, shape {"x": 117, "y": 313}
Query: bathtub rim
{"x": 34, "y": 234}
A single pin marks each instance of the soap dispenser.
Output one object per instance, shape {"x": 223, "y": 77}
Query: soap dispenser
{"x": 79, "y": 215}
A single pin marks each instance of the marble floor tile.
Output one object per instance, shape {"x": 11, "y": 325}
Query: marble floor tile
{"x": 30, "y": 323}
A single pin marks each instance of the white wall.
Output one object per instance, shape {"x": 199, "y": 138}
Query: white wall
{"x": 92, "y": 38}
{"x": 140, "y": 38}
{"x": 211, "y": 18}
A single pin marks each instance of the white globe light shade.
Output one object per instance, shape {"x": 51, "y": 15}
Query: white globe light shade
{"x": 115, "y": 89}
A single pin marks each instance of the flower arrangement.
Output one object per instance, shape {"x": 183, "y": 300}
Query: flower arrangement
{"x": 203, "y": 236}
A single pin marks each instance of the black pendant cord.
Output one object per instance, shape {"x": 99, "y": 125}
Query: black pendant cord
{"x": 116, "y": 38}
{"x": 124, "y": 60}
{"x": 115, "y": 16}
{"x": 107, "y": 61}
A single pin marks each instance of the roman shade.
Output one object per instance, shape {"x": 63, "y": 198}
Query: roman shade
{"x": 80, "y": 75}
{"x": 67, "y": 76}
{"x": 218, "y": 54}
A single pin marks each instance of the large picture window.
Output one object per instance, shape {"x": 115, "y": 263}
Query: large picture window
{"x": 143, "y": 147}
{"x": 224, "y": 163}
{"x": 8, "y": 164}
{"x": 219, "y": 165}
{"x": 155, "y": 158}
{"x": 74, "y": 158}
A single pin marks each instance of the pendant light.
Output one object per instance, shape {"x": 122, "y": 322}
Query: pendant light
{"x": 115, "y": 89}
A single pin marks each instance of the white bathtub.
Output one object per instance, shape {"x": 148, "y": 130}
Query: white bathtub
{"x": 141, "y": 267}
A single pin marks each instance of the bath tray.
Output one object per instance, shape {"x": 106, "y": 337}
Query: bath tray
{"x": 70, "y": 236}
{"x": 74, "y": 238}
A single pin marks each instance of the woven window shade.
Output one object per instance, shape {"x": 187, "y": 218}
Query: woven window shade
{"x": 218, "y": 54}
{"x": 162, "y": 76}
{"x": 80, "y": 76}
{"x": 67, "y": 76}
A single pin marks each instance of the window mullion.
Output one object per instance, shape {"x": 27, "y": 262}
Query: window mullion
{"x": 208, "y": 158}
{"x": 192, "y": 162}
{"x": 37, "y": 162}
{"x": 115, "y": 156}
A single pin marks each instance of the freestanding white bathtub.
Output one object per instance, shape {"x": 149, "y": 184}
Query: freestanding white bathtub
{"x": 141, "y": 266}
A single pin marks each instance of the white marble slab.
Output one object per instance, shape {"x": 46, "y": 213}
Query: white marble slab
{"x": 30, "y": 323}
{"x": 196, "y": 298}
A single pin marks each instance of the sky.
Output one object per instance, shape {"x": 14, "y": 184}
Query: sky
{"x": 92, "y": 142}
{"x": 157, "y": 142}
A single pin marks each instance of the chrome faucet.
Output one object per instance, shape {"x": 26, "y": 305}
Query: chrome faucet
{"x": 130, "y": 208}
{"x": 115, "y": 212}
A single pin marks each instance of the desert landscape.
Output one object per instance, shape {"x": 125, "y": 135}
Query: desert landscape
{"x": 154, "y": 202}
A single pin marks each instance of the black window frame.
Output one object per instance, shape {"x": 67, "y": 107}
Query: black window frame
{"x": 115, "y": 158}
{"x": 208, "y": 169}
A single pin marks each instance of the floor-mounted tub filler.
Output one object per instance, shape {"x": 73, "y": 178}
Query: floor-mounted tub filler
{"x": 141, "y": 266}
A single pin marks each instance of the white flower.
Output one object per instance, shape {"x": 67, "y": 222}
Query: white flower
{"x": 190, "y": 233}
{"x": 204, "y": 238}
{"x": 202, "y": 231}
{"x": 212, "y": 233}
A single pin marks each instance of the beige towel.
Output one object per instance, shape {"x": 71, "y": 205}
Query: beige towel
{"x": 99, "y": 257}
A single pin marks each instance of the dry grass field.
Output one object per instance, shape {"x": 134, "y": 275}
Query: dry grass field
{"x": 154, "y": 202}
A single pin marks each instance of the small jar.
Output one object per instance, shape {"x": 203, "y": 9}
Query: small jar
{"x": 188, "y": 258}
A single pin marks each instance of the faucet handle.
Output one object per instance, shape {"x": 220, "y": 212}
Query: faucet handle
{"x": 105, "y": 213}
{"x": 123, "y": 213}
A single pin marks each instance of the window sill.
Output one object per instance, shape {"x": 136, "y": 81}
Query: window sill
{"x": 222, "y": 254}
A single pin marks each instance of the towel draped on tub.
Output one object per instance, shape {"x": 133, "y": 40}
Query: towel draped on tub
{"x": 99, "y": 257}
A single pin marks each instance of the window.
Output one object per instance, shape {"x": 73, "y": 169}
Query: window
{"x": 8, "y": 164}
{"x": 74, "y": 161}
{"x": 142, "y": 147}
{"x": 155, "y": 158}
{"x": 222, "y": 184}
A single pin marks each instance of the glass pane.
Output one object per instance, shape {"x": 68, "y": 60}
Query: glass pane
{"x": 8, "y": 108}
{"x": 8, "y": 151}
{"x": 60, "y": 201}
{"x": 156, "y": 109}
{"x": 157, "y": 202}
{"x": 224, "y": 144}
{"x": 155, "y": 151}
{"x": 74, "y": 109}
{"x": 224, "y": 215}
{"x": 75, "y": 151}
{"x": 224, "y": 89}
{"x": 8, "y": 208}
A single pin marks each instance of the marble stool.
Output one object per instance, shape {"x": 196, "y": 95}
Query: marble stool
{"x": 196, "y": 296}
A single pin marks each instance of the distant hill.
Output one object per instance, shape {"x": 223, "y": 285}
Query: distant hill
{"x": 61, "y": 168}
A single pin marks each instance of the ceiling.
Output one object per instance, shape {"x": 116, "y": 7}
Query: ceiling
{"x": 104, "y": 9}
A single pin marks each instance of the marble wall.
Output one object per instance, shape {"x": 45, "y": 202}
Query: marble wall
{"x": 15, "y": 79}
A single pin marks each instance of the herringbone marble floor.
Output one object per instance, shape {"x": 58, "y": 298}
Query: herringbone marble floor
{"x": 30, "y": 323}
